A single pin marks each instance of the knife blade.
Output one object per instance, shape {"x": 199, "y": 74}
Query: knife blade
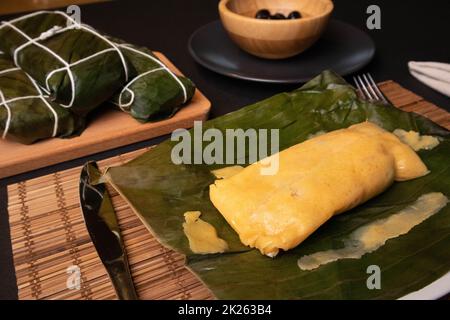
{"x": 101, "y": 223}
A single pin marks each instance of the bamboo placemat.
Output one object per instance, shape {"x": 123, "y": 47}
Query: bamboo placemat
{"x": 49, "y": 236}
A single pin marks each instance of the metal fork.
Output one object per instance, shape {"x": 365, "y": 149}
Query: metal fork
{"x": 369, "y": 89}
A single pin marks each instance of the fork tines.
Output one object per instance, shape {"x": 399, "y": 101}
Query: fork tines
{"x": 368, "y": 88}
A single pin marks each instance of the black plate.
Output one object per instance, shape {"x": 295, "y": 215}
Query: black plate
{"x": 342, "y": 48}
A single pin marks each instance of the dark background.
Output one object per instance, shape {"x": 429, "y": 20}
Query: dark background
{"x": 411, "y": 30}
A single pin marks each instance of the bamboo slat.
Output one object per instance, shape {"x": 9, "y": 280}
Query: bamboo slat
{"x": 48, "y": 234}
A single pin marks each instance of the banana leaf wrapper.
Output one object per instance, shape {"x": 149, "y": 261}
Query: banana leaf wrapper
{"x": 160, "y": 192}
{"x": 153, "y": 92}
{"x": 77, "y": 66}
{"x": 26, "y": 115}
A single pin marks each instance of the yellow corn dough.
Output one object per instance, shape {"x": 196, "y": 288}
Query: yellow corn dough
{"x": 202, "y": 236}
{"x": 415, "y": 140}
{"x": 227, "y": 172}
{"x": 319, "y": 178}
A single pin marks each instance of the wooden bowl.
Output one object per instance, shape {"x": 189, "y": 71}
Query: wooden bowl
{"x": 275, "y": 39}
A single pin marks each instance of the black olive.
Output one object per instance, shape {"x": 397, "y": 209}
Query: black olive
{"x": 263, "y": 14}
{"x": 294, "y": 15}
{"x": 278, "y": 16}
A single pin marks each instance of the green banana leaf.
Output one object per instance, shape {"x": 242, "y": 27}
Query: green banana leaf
{"x": 153, "y": 92}
{"x": 160, "y": 192}
{"x": 95, "y": 79}
{"x": 31, "y": 119}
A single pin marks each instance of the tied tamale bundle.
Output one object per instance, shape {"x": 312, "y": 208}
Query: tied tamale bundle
{"x": 154, "y": 92}
{"x": 26, "y": 114}
{"x": 78, "y": 67}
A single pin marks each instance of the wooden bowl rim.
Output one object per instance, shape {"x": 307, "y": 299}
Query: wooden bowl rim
{"x": 223, "y": 9}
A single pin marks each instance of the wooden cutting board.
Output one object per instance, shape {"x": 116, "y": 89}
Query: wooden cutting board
{"x": 49, "y": 237}
{"x": 109, "y": 130}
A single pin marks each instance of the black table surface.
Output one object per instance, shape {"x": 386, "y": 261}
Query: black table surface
{"x": 410, "y": 30}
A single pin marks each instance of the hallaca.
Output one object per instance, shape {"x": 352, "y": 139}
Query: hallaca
{"x": 26, "y": 113}
{"x": 76, "y": 66}
{"x": 154, "y": 92}
{"x": 166, "y": 195}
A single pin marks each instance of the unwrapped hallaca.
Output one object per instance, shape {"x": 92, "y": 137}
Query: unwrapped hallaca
{"x": 26, "y": 114}
{"x": 317, "y": 179}
{"x": 78, "y": 67}
{"x": 161, "y": 192}
{"x": 154, "y": 92}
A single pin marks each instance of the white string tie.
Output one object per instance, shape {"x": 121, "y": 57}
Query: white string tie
{"x": 4, "y": 103}
{"x": 49, "y": 33}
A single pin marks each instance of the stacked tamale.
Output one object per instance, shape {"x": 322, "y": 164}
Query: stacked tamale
{"x": 54, "y": 71}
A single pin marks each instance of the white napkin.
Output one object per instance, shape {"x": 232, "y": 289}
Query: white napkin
{"x": 434, "y": 74}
